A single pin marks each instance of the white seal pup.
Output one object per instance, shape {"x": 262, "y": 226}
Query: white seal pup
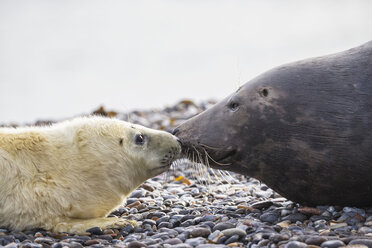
{"x": 69, "y": 176}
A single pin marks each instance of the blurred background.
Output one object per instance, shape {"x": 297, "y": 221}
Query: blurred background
{"x": 59, "y": 59}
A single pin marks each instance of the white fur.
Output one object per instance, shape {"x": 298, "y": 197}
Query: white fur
{"x": 69, "y": 176}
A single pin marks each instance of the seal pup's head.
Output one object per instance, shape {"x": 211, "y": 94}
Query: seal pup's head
{"x": 127, "y": 153}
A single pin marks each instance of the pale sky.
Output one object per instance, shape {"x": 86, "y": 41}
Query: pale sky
{"x": 59, "y": 59}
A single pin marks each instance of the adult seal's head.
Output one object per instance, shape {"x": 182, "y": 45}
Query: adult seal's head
{"x": 303, "y": 128}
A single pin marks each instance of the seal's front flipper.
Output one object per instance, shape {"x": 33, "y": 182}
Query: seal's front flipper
{"x": 81, "y": 225}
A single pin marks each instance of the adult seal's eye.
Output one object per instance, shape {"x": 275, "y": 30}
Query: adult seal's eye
{"x": 233, "y": 106}
{"x": 139, "y": 139}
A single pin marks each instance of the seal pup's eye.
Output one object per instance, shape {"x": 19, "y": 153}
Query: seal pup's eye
{"x": 233, "y": 106}
{"x": 139, "y": 139}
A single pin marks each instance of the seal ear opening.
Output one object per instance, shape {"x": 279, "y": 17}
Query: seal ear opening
{"x": 264, "y": 92}
{"x": 121, "y": 141}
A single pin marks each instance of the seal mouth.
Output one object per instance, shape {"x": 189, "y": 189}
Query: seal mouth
{"x": 215, "y": 157}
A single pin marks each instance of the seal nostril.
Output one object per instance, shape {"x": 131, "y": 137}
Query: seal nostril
{"x": 175, "y": 131}
{"x": 179, "y": 141}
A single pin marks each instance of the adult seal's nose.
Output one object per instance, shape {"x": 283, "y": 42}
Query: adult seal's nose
{"x": 175, "y": 131}
{"x": 179, "y": 141}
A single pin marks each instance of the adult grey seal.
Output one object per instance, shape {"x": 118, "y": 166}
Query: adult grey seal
{"x": 304, "y": 129}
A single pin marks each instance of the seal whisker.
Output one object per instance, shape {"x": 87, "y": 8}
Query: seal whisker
{"x": 218, "y": 179}
{"x": 211, "y": 147}
{"x": 201, "y": 169}
{"x": 217, "y": 162}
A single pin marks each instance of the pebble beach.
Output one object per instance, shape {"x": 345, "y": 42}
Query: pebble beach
{"x": 194, "y": 206}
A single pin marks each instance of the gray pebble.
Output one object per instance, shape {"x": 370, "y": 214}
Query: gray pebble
{"x": 295, "y": 244}
{"x": 262, "y": 204}
{"x": 364, "y": 230}
{"x": 276, "y": 238}
{"x": 44, "y": 240}
{"x": 315, "y": 240}
{"x": 162, "y": 219}
{"x": 173, "y": 241}
{"x": 211, "y": 246}
{"x": 208, "y": 217}
{"x": 234, "y": 231}
{"x": 165, "y": 224}
{"x": 367, "y": 242}
{"x": 95, "y": 231}
{"x": 187, "y": 223}
{"x": 332, "y": 244}
{"x": 138, "y": 193}
{"x": 200, "y": 232}
{"x": 136, "y": 244}
{"x": 195, "y": 241}
{"x": 270, "y": 217}
{"x": 170, "y": 232}
{"x": 214, "y": 236}
{"x": 295, "y": 217}
{"x": 223, "y": 225}
{"x": 11, "y": 245}
{"x": 182, "y": 246}
{"x": 149, "y": 222}
{"x": 232, "y": 239}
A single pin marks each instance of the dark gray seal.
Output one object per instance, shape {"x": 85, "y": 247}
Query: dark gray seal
{"x": 304, "y": 129}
